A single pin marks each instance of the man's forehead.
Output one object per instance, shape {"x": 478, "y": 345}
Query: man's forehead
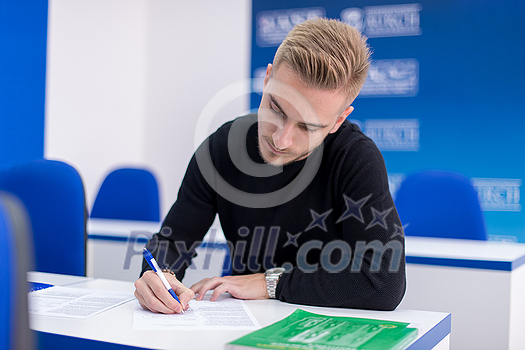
{"x": 308, "y": 103}
{"x": 309, "y": 118}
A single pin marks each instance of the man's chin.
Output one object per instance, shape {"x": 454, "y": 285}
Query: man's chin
{"x": 273, "y": 161}
{"x": 277, "y": 163}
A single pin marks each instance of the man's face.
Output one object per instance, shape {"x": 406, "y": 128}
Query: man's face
{"x": 293, "y": 118}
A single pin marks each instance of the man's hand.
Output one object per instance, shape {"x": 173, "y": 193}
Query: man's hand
{"x": 241, "y": 287}
{"x": 153, "y": 296}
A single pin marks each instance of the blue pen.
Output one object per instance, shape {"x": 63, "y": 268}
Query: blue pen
{"x": 151, "y": 261}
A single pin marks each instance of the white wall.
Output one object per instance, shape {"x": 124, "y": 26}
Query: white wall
{"x": 128, "y": 79}
{"x": 194, "y": 51}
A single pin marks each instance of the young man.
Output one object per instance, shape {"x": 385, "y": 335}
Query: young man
{"x": 295, "y": 186}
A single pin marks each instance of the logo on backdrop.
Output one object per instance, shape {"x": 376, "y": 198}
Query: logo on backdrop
{"x": 393, "y": 134}
{"x": 384, "y": 21}
{"x": 498, "y": 194}
{"x": 272, "y": 26}
{"x": 392, "y": 78}
{"x": 258, "y": 80}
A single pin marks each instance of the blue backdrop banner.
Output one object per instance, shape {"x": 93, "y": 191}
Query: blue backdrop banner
{"x": 445, "y": 89}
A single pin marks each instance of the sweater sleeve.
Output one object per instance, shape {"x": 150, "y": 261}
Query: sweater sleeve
{"x": 187, "y": 222}
{"x": 370, "y": 271}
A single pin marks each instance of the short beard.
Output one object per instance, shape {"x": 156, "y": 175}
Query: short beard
{"x": 298, "y": 158}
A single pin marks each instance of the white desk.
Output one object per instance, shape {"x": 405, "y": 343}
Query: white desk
{"x": 114, "y": 250}
{"x": 114, "y": 247}
{"x": 481, "y": 283}
{"x": 115, "y": 325}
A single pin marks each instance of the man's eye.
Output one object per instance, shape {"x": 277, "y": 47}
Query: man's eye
{"x": 309, "y": 128}
{"x": 275, "y": 108}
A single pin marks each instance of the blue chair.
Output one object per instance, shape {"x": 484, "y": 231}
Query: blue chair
{"x": 440, "y": 204}
{"x": 15, "y": 260}
{"x": 128, "y": 194}
{"x": 53, "y": 194}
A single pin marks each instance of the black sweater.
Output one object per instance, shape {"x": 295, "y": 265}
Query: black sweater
{"x": 340, "y": 238}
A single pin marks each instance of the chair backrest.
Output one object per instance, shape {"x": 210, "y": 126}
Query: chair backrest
{"x": 128, "y": 194}
{"x": 53, "y": 194}
{"x": 15, "y": 260}
{"x": 440, "y": 204}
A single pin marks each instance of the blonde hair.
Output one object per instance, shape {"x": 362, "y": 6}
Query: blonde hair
{"x": 327, "y": 55}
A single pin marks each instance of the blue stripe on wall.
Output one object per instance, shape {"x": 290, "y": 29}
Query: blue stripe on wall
{"x": 23, "y": 43}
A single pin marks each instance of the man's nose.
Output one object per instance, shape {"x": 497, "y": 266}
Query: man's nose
{"x": 282, "y": 137}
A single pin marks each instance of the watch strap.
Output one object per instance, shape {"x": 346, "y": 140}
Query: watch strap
{"x": 271, "y": 282}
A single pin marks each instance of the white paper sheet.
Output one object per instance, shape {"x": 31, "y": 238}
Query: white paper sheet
{"x": 226, "y": 313}
{"x": 74, "y": 302}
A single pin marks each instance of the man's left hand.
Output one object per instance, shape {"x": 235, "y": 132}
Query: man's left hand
{"x": 242, "y": 287}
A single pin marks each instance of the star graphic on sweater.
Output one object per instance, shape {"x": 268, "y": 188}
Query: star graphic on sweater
{"x": 292, "y": 239}
{"x": 353, "y": 208}
{"x": 379, "y": 218}
{"x": 318, "y": 220}
{"x": 400, "y": 230}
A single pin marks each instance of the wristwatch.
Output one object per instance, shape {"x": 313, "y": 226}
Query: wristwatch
{"x": 272, "y": 277}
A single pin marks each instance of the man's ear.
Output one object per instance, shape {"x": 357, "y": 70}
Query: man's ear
{"x": 268, "y": 74}
{"x": 342, "y": 117}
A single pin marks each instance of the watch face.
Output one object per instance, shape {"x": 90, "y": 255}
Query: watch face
{"x": 275, "y": 270}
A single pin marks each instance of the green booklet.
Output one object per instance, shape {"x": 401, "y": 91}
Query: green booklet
{"x": 305, "y": 330}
